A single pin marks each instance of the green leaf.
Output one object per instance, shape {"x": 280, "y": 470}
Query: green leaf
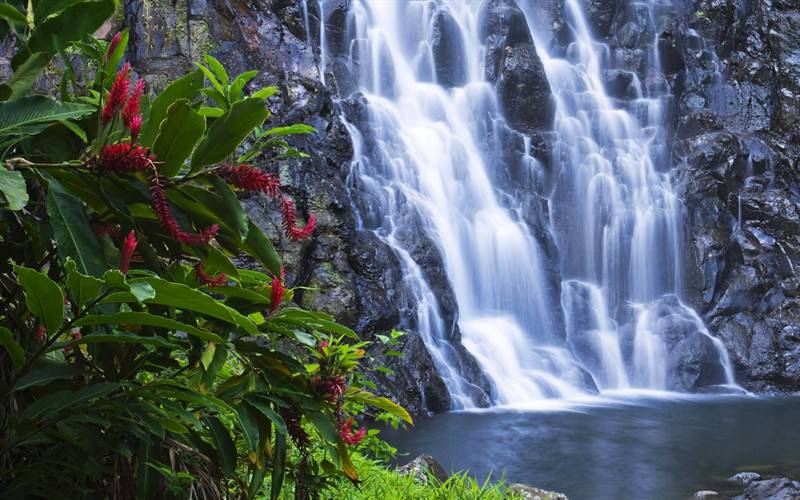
{"x": 298, "y": 128}
{"x": 123, "y": 338}
{"x": 46, "y": 8}
{"x": 224, "y": 444}
{"x": 13, "y": 187}
{"x": 186, "y": 87}
{"x": 17, "y": 117}
{"x": 43, "y": 372}
{"x": 278, "y": 465}
{"x": 44, "y": 297}
{"x": 14, "y": 350}
{"x": 73, "y": 234}
{"x": 63, "y": 400}
{"x": 12, "y": 15}
{"x": 113, "y": 60}
{"x": 217, "y": 68}
{"x": 177, "y": 137}
{"x": 228, "y": 131}
{"x": 72, "y": 24}
{"x": 230, "y": 211}
{"x": 259, "y": 246}
{"x": 184, "y": 297}
{"x": 208, "y": 355}
{"x": 147, "y": 478}
{"x": 26, "y": 74}
{"x": 147, "y": 319}
{"x": 83, "y": 289}
{"x": 381, "y": 403}
{"x": 248, "y": 420}
{"x": 265, "y": 93}
{"x": 264, "y": 407}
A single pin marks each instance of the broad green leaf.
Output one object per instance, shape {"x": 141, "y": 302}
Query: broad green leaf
{"x": 46, "y": 8}
{"x": 43, "y": 372}
{"x": 381, "y": 403}
{"x": 148, "y": 479}
{"x": 186, "y": 87}
{"x": 123, "y": 338}
{"x": 26, "y": 74}
{"x": 16, "y": 117}
{"x": 177, "y": 137}
{"x": 57, "y": 402}
{"x": 230, "y": 211}
{"x": 259, "y": 246}
{"x": 13, "y": 187}
{"x": 13, "y": 349}
{"x": 265, "y": 93}
{"x": 224, "y": 444}
{"x": 12, "y": 14}
{"x": 183, "y": 297}
{"x": 44, "y": 297}
{"x": 264, "y": 407}
{"x": 248, "y": 421}
{"x": 82, "y": 288}
{"x": 208, "y": 355}
{"x": 73, "y": 234}
{"x": 141, "y": 291}
{"x": 278, "y": 465}
{"x": 147, "y": 319}
{"x": 72, "y": 24}
{"x": 347, "y": 465}
{"x": 228, "y": 131}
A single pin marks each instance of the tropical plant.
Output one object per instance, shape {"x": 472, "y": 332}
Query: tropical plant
{"x": 138, "y": 360}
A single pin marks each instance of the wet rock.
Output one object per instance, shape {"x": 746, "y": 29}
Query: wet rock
{"x": 744, "y": 478}
{"x": 425, "y": 470}
{"x": 448, "y": 50}
{"x": 771, "y": 489}
{"x": 706, "y": 495}
{"x": 528, "y": 492}
{"x": 633, "y": 26}
{"x": 601, "y": 15}
{"x": 621, "y": 83}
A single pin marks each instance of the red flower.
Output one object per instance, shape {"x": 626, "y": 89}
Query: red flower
{"x": 250, "y": 178}
{"x": 213, "y": 281}
{"x": 125, "y": 157}
{"x": 349, "y": 437}
{"x": 118, "y": 94}
{"x": 332, "y": 387}
{"x": 167, "y": 220}
{"x": 112, "y": 45}
{"x": 289, "y": 216}
{"x": 322, "y": 346}
{"x": 126, "y": 252}
{"x": 133, "y": 105}
{"x": 278, "y": 291}
{"x": 136, "y": 126}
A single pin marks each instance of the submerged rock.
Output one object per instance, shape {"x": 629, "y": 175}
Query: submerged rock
{"x": 706, "y": 495}
{"x": 744, "y": 478}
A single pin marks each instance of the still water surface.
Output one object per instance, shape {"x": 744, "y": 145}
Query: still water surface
{"x": 617, "y": 448}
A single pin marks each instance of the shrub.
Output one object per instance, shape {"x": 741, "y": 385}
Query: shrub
{"x": 138, "y": 360}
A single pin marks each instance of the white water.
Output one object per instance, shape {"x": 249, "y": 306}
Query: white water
{"x": 422, "y": 165}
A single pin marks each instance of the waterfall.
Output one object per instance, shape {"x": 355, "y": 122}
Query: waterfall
{"x": 423, "y": 170}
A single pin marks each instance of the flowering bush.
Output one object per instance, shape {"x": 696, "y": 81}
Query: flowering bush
{"x": 137, "y": 360}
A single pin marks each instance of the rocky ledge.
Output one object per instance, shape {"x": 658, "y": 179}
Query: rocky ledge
{"x": 751, "y": 486}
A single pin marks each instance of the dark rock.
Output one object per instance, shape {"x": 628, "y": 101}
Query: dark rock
{"x": 423, "y": 469}
{"x": 621, "y": 84}
{"x": 601, "y": 15}
{"x": 448, "y": 50}
{"x": 771, "y": 489}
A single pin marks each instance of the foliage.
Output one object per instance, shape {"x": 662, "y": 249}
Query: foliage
{"x": 137, "y": 359}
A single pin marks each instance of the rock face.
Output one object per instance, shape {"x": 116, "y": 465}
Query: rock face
{"x": 733, "y": 67}
{"x": 514, "y": 67}
{"x": 771, "y": 489}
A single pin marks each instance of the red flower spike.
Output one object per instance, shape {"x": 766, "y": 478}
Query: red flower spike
{"x": 125, "y": 157}
{"x": 212, "y": 281}
{"x": 250, "y": 178}
{"x": 349, "y": 437}
{"x": 136, "y": 126}
{"x": 322, "y": 346}
{"x": 118, "y": 95}
{"x": 332, "y": 387}
{"x": 112, "y": 45}
{"x": 167, "y": 220}
{"x": 126, "y": 252}
{"x": 289, "y": 216}
{"x": 278, "y": 292}
{"x": 133, "y": 105}
{"x": 293, "y": 418}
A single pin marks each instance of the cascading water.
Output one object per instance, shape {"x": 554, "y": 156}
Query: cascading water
{"x": 422, "y": 164}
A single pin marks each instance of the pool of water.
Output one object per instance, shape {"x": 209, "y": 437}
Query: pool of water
{"x": 617, "y": 447}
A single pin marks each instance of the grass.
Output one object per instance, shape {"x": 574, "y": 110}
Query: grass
{"x": 378, "y": 481}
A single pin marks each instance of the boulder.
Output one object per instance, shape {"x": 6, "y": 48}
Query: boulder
{"x": 771, "y": 489}
{"x": 425, "y": 470}
{"x": 706, "y": 495}
{"x": 447, "y": 45}
{"x": 744, "y": 478}
{"x": 528, "y": 492}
